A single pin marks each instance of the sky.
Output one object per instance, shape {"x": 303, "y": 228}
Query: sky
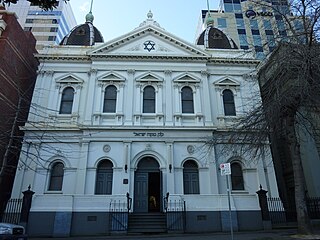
{"x": 118, "y": 17}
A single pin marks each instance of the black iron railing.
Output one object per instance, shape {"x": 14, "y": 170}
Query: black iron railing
{"x": 119, "y": 214}
{"x": 13, "y": 211}
{"x": 313, "y": 204}
{"x": 129, "y": 202}
{"x": 285, "y": 212}
{"x": 176, "y": 214}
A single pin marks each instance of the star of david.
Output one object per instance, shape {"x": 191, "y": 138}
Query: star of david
{"x": 149, "y": 45}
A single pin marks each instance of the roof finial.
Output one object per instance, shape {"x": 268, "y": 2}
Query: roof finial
{"x": 91, "y": 6}
{"x": 150, "y": 15}
{"x": 209, "y": 20}
{"x": 89, "y": 16}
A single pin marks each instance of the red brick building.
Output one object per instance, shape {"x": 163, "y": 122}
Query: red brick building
{"x": 18, "y": 68}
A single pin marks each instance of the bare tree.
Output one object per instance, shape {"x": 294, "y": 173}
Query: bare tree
{"x": 290, "y": 91}
{"x": 289, "y": 80}
{"x": 44, "y": 4}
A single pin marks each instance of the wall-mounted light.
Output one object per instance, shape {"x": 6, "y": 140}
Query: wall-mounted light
{"x": 126, "y": 168}
{"x": 170, "y": 167}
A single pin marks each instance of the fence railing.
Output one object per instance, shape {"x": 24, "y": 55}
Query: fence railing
{"x": 119, "y": 214}
{"x": 313, "y": 204}
{"x": 13, "y": 211}
{"x": 285, "y": 212}
{"x": 176, "y": 214}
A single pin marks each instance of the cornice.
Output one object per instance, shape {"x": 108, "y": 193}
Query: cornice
{"x": 148, "y": 57}
{"x": 63, "y": 57}
{"x": 233, "y": 61}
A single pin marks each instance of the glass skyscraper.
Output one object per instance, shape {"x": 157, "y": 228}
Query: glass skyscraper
{"x": 252, "y": 26}
{"x": 48, "y": 27}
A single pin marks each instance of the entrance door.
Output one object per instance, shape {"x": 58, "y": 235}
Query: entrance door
{"x": 141, "y": 192}
{"x": 154, "y": 192}
{"x": 147, "y": 186}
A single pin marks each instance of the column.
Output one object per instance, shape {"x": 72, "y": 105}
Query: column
{"x": 98, "y": 97}
{"x": 159, "y": 99}
{"x": 207, "y": 100}
{"x": 77, "y": 97}
{"x": 177, "y": 104}
{"x": 197, "y": 99}
{"x": 168, "y": 98}
{"x": 120, "y": 99}
{"x": 82, "y": 168}
{"x": 138, "y": 102}
{"x": 55, "y": 93}
{"x": 126, "y": 167}
{"x": 90, "y": 100}
{"x": 170, "y": 168}
{"x": 129, "y": 98}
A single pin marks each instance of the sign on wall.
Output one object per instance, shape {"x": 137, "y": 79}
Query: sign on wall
{"x": 253, "y": 14}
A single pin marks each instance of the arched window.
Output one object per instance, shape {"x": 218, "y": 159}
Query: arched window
{"x": 228, "y": 103}
{"x": 110, "y": 99}
{"x": 190, "y": 177}
{"x": 187, "y": 100}
{"x": 236, "y": 176}
{"x": 56, "y": 177}
{"x": 104, "y": 178}
{"x": 149, "y": 100}
{"x": 67, "y": 101}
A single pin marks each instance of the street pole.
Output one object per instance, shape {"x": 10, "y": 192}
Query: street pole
{"x": 230, "y": 217}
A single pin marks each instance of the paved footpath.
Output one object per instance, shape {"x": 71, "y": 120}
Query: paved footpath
{"x": 260, "y": 235}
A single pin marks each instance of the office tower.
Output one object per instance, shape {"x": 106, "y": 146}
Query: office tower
{"x": 48, "y": 27}
{"x": 252, "y": 26}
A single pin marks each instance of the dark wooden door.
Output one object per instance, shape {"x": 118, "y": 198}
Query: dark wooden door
{"x": 141, "y": 192}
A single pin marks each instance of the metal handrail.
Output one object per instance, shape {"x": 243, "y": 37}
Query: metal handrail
{"x": 129, "y": 202}
{"x": 166, "y": 202}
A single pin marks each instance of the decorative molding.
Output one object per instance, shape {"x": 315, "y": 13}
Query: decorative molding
{"x": 205, "y": 73}
{"x": 190, "y": 149}
{"x": 131, "y": 71}
{"x": 167, "y": 72}
{"x": 106, "y": 148}
{"x": 163, "y": 49}
{"x": 135, "y": 48}
{"x": 149, "y": 77}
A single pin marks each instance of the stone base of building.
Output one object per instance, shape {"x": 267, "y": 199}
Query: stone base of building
{"x": 64, "y": 224}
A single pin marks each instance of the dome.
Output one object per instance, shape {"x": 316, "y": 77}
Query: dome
{"x": 213, "y": 38}
{"x": 84, "y": 34}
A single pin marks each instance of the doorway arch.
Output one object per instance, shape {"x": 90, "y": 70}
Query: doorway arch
{"x": 148, "y": 186}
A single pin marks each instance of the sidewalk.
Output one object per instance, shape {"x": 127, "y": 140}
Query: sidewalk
{"x": 286, "y": 234}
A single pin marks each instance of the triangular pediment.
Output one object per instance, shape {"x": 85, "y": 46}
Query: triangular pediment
{"x": 186, "y": 77}
{"x": 227, "y": 81}
{"x": 111, "y": 76}
{"x": 69, "y": 79}
{"x": 148, "y": 41}
{"x": 149, "y": 77}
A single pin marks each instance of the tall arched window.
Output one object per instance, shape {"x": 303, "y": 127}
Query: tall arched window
{"x": 228, "y": 103}
{"x": 149, "y": 100}
{"x": 110, "y": 99}
{"x": 191, "y": 177}
{"x": 236, "y": 176}
{"x": 104, "y": 178}
{"x": 56, "y": 177}
{"x": 67, "y": 101}
{"x": 187, "y": 100}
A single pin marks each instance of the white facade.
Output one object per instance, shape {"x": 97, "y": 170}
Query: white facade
{"x": 147, "y": 56}
{"x": 48, "y": 27}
